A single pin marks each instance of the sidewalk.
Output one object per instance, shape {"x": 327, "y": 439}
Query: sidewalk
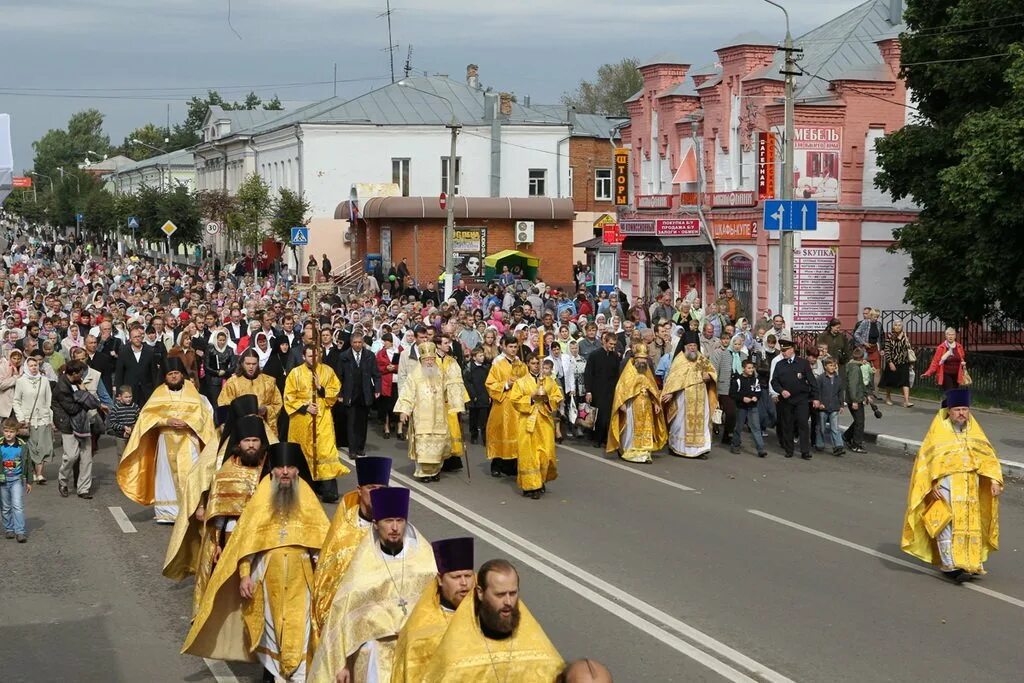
{"x": 904, "y": 428}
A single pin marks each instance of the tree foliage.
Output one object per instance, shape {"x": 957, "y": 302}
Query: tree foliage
{"x": 608, "y": 92}
{"x": 68, "y": 148}
{"x": 291, "y": 210}
{"x": 962, "y": 162}
{"x": 153, "y": 136}
{"x": 253, "y": 206}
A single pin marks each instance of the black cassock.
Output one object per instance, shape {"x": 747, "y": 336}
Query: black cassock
{"x": 600, "y": 378}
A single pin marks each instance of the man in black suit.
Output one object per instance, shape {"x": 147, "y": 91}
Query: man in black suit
{"x": 136, "y": 367}
{"x": 600, "y": 377}
{"x": 108, "y": 348}
{"x": 360, "y": 386}
{"x": 237, "y": 327}
{"x": 793, "y": 381}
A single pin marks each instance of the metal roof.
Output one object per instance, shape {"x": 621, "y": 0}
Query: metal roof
{"x": 749, "y": 38}
{"x": 514, "y": 208}
{"x": 839, "y": 48}
{"x": 240, "y": 119}
{"x": 182, "y": 157}
{"x": 706, "y": 70}
{"x": 663, "y": 58}
{"x": 635, "y": 96}
{"x": 686, "y": 88}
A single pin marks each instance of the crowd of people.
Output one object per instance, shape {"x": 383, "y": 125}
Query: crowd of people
{"x": 230, "y": 393}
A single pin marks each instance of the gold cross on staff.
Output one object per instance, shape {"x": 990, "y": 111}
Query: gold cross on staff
{"x": 313, "y": 291}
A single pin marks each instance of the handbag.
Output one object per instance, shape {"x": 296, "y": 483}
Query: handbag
{"x": 587, "y": 416}
{"x": 716, "y": 417}
{"x": 911, "y": 356}
{"x": 936, "y": 516}
{"x": 572, "y": 412}
{"x": 968, "y": 381}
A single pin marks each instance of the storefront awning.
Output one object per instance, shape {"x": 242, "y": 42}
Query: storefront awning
{"x": 671, "y": 244}
{"x": 594, "y": 243}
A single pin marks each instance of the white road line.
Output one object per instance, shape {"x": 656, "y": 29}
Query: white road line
{"x": 222, "y": 673}
{"x": 632, "y": 470}
{"x": 648, "y": 610}
{"x": 888, "y": 558}
{"x": 122, "y": 520}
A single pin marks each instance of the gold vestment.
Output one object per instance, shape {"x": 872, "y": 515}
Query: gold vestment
{"x": 503, "y": 421}
{"x": 420, "y": 636}
{"x": 264, "y": 388}
{"x": 650, "y": 432}
{"x": 538, "y": 460}
{"x": 688, "y": 377}
{"x": 298, "y": 392}
{"x": 346, "y": 532}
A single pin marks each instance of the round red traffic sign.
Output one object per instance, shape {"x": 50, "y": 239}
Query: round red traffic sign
{"x": 442, "y": 200}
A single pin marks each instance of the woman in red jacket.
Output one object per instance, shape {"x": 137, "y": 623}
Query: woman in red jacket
{"x": 387, "y": 363}
{"x": 949, "y": 363}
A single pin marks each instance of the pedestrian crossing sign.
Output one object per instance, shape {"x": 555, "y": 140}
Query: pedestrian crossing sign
{"x": 300, "y": 236}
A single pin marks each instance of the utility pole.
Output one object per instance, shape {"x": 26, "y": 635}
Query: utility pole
{"x": 449, "y": 228}
{"x": 787, "y": 239}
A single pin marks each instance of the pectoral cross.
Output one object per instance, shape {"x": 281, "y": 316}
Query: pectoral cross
{"x": 403, "y": 604}
{"x": 282, "y": 533}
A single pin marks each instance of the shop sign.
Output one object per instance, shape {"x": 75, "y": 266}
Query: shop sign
{"x": 734, "y": 230}
{"x": 765, "y": 166}
{"x": 621, "y": 177}
{"x": 815, "y": 287}
{"x": 654, "y": 202}
{"x": 816, "y": 157}
{"x": 623, "y": 264}
{"x": 610, "y": 234}
{"x": 730, "y": 199}
{"x": 661, "y": 227}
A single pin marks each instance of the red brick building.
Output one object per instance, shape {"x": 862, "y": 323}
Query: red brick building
{"x": 706, "y": 150}
{"x": 413, "y": 228}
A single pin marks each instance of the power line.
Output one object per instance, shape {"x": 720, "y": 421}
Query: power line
{"x": 856, "y": 90}
{"x": 193, "y": 87}
{"x": 953, "y": 61}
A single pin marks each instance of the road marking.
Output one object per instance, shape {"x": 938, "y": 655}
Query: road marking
{"x": 222, "y": 673}
{"x": 888, "y": 558}
{"x": 122, "y": 520}
{"x": 631, "y": 470}
{"x": 647, "y": 610}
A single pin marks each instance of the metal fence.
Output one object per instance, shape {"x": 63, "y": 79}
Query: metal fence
{"x": 996, "y": 379}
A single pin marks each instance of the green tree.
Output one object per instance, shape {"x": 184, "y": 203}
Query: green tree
{"x": 608, "y": 92}
{"x": 962, "y": 159}
{"x": 274, "y": 104}
{"x": 181, "y": 207}
{"x": 153, "y": 136}
{"x": 253, "y": 207}
{"x": 216, "y": 204}
{"x": 68, "y": 148}
{"x": 291, "y": 209}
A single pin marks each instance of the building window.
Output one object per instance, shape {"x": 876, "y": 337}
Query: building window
{"x": 538, "y": 182}
{"x": 603, "y": 184}
{"x": 400, "y": 174}
{"x": 458, "y": 174}
{"x": 570, "y": 182}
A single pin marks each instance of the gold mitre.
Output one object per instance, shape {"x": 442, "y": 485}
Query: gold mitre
{"x": 640, "y": 351}
{"x": 427, "y": 349}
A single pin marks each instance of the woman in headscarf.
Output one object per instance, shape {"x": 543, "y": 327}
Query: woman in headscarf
{"x": 728, "y": 364}
{"x": 10, "y": 371}
{"x": 277, "y": 362}
{"x": 262, "y": 348}
{"x": 183, "y": 350}
{"x": 219, "y": 363}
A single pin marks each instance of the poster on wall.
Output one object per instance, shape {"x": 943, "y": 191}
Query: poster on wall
{"x": 816, "y": 162}
{"x": 385, "y": 248}
{"x": 469, "y": 247}
{"x": 814, "y": 287}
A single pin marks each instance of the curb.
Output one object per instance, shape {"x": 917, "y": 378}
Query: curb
{"x": 1010, "y": 468}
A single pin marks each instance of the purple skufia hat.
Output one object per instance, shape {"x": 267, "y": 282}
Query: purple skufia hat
{"x": 372, "y": 470}
{"x": 957, "y": 398}
{"x": 453, "y": 554}
{"x": 390, "y": 503}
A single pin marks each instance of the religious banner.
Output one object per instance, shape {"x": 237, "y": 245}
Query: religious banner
{"x": 814, "y": 286}
{"x": 469, "y": 246}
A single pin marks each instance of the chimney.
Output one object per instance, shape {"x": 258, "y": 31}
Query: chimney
{"x": 490, "y": 106}
{"x": 505, "y": 108}
{"x": 526, "y": 100}
{"x": 895, "y": 12}
{"x": 473, "y": 76}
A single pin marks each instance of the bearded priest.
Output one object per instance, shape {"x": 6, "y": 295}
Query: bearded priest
{"x": 689, "y": 397}
{"x": 637, "y": 422}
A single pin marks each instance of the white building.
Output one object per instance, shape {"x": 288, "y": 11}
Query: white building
{"x": 163, "y": 171}
{"x": 396, "y": 134}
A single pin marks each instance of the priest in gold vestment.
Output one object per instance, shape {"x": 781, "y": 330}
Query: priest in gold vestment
{"x": 493, "y": 636}
{"x": 503, "y": 421}
{"x": 429, "y": 620}
{"x": 957, "y": 470}
{"x": 637, "y": 427}
{"x": 249, "y": 380}
{"x": 352, "y": 522}
{"x": 690, "y": 397}
{"x": 536, "y": 397}
{"x": 233, "y": 486}
{"x": 455, "y": 388}
{"x": 257, "y": 603}
{"x": 310, "y": 390}
{"x": 426, "y": 401}
{"x": 388, "y": 573}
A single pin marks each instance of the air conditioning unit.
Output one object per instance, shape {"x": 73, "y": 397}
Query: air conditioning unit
{"x": 347, "y": 236}
{"x": 524, "y": 232}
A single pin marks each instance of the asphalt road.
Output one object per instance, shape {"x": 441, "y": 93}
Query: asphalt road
{"x": 735, "y": 568}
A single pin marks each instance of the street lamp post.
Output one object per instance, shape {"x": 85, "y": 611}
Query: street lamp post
{"x": 40, "y": 175}
{"x": 449, "y": 228}
{"x": 787, "y": 237}
{"x": 136, "y": 141}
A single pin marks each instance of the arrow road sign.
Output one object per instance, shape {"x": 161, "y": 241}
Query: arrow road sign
{"x": 169, "y": 229}
{"x": 133, "y": 222}
{"x": 790, "y": 214}
{"x": 300, "y": 236}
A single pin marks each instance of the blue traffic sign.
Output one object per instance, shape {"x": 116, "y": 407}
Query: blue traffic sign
{"x": 790, "y": 214}
{"x": 300, "y": 236}
{"x": 79, "y": 217}
{"x": 133, "y": 222}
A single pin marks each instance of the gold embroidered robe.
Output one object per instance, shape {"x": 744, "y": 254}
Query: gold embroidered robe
{"x": 323, "y": 460}
{"x": 538, "y": 460}
{"x": 429, "y": 403}
{"x": 419, "y": 638}
{"x": 685, "y": 383}
{"x": 638, "y": 394}
{"x": 456, "y": 398}
{"x": 503, "y": 421}
{"x": 346, "y": 532}
{"x": 264, "y": 388}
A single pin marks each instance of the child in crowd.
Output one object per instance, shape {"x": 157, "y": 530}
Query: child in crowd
{"x": 867, "y": 371}
{"x": 830, "y": 394}
{"x": 745, "y": 390}
{"x": 856, "y": 394}
{"x": 122, "y": 417}
{"x": 15, "y": 466}
{"x": 475, "y": 377}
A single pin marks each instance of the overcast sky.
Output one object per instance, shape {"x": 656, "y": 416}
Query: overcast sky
{"x": 105, "y": 52}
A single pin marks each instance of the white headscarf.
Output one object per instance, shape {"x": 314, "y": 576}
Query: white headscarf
{"x": 264, "y": 356}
